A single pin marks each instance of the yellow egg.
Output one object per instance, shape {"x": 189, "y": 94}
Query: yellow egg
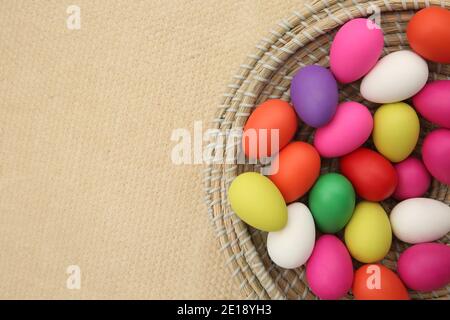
{"x": 368, "y": 235}
{"x": 396, "y": 130}
{"x": 258, "y": 202}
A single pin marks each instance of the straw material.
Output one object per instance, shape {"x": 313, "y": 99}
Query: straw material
{"x": 302, "y": 39}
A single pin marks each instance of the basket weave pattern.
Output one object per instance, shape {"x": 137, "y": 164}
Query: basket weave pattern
{"x": 302, "y": 39}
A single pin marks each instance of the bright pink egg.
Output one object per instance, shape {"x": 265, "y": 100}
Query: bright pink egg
{"x": 436, "y": 154}
{"x": 329, "y": 270}
{"x": 413, "y": 179}
{"x": 356, "y": 48}
{"x": 425, "y": 266}
{"x": 350, "y": 127}
{"x": 433, "y": 102}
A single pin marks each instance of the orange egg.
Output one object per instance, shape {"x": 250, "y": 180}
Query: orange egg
{"x": 295, "y": 169}
{"x": 271, "y": 115}
{"x": 376, "y": 282}
{"x": 429, "y": 34}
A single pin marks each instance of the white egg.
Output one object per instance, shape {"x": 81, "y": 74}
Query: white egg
{"x": 396, "y": 77}
{"x": 292, "y": 246}
{"x": 420, "y": 220}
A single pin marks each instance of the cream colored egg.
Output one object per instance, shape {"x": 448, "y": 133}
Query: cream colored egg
{"x": 396, "y": 77}
{"x": 292, "y": 246}
{"x": 419, "y": 220}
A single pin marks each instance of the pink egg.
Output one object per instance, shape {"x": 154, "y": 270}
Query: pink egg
{"x": 433, "y": 102}
{"x": 348, "y": 130}
{"x": 436, "y": 154}
{"x": 329, "y": 270}
{"x": 356, "y": 48}
{"x": 413, "y": 179}
{"x": 425, "y": 266}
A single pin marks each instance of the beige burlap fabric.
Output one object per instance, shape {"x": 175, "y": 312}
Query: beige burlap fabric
{"x": 86, "y": 118}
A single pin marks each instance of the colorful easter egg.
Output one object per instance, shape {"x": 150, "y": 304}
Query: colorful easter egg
{"x": 356, "y": 48}
{"x": 348, "y": 130}
{"x": 373, "y": 177}
{"x": 433, "y": 102}
{"x": 257, "y": 201}
{"x": 329, "y": 270}
{"x": 396, "y": 77}
{"x": 396, "y": 130}
{"x": 295, "y": 169}
{"x": 368, "y": 235}
{"x": 420, "y": 220}
{"x": 428, "y": 34}
{"x": 273, "y": 118}
{"x": 292, "y": 246}
{"x": 332, "y": 200}
{"x": 425, "y": 266}
{"x": 413, "y": 179}
{"x": 436, "y": 154}
{"x": 376, "y": 282}
{"x": 314, "y": 94}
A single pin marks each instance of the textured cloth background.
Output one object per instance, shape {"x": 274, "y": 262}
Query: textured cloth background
{"x": 85, "y": 123}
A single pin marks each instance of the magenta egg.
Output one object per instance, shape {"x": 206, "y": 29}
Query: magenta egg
{"x": 329, "y": 270}
{"x": 413, "y": 179}
{"x": 433, "y": 102}
{"x": 436, "y": 154}
{"x": 425, "y": 266}
{"x": 356, "y": 48}
{"x": 350, "y": 127}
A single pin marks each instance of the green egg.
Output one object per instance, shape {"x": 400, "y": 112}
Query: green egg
{"x": 332, "y": 201}
{"x": 258, "y": 202}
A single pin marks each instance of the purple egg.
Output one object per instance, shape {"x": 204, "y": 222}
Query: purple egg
{"x": 314, "y": 94}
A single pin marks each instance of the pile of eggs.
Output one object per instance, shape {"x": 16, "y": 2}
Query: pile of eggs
{"x": 349, "y": 201}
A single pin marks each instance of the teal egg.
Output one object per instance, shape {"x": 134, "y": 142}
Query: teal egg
{"x": 332, "y": 201}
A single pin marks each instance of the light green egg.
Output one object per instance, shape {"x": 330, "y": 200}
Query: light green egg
{"x": 258, "y": 202}
{"x": 396, "y": 130}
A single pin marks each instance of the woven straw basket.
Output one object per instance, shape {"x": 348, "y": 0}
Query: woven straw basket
{"x": 302, "y": 39}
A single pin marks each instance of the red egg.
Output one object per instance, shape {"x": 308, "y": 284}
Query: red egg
{"x": 262, "y": 124}
{"x": 295, "y": 170}
{"x": 373, "y": 176}
{"x": 376, "y": 282}
{"x": 429, "y": 34}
